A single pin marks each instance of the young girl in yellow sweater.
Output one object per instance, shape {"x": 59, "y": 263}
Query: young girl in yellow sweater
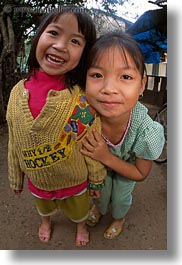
{"x": 48, "y": 116}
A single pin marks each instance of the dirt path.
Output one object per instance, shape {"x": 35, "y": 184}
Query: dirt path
{"x": 145, "y": 227}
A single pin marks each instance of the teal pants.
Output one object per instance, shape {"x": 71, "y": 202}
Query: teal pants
{"x": 116, "y": 192}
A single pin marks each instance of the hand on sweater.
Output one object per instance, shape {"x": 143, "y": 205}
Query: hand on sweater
{"x": 95, "y": 147}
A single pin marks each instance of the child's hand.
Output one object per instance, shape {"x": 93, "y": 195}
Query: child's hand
{"x": 94, "y": 194}
{"x": 95, "y": 147}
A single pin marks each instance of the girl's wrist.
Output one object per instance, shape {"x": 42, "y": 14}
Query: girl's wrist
{"x": 107, "y": 158}
{"x": 95, "y": 186}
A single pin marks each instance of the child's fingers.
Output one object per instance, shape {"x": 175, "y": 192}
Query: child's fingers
{"x": 97, "y": 136}
{"x": 87, "y": 145}
{"x": 90, "y": 139}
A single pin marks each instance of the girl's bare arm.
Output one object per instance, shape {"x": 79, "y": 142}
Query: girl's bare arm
{"x": 96, "y": 148}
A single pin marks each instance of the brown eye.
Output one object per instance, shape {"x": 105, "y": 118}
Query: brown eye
{"x": 96, "y": 75}
{"x": 75, "y": 41}
{"x": 126, "y": 77}
{"x": 52, "y": 32}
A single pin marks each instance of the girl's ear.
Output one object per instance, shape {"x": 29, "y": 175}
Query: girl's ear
{"x": 143, "y": 84}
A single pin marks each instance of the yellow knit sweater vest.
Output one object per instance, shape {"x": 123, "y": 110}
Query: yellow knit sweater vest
{"x": 46, "y": 149}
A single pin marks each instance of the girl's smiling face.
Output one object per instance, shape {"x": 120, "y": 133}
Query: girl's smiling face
{"x": 60, "y": 46}
{"x": 114, "y": 83}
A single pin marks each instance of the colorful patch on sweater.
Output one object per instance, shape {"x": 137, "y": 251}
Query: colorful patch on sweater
{"x": 82, "y": 117}
{"x": 75, "y": 129}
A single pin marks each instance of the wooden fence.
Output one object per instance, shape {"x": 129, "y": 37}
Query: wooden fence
{"x": 156, "y": 87}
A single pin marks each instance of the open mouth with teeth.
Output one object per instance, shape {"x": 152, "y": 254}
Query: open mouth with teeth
{"x": 55, "y": 60}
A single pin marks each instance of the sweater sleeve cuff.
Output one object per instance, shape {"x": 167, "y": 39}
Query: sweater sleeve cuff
{"x": 95, "y": 186}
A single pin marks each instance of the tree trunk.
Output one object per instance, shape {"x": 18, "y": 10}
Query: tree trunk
{"x": 2, "y": 109}
{"x": 8, "y": 76}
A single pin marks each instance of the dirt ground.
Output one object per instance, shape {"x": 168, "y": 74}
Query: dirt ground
{"x": 145, "y": 227}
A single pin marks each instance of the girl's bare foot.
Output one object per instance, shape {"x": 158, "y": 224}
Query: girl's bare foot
{"x": 45, "y": 230}
{"x": 82, "y": 237}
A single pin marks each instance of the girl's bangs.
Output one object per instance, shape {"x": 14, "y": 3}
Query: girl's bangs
{"x": 108, "y": 51}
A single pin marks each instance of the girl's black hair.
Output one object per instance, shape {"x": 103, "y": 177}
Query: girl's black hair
{"x": 87, "y": 28}
{"x": 122, "y": 40}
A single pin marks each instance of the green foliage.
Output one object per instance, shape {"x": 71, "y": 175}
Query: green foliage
{"x": 110, "y": 5}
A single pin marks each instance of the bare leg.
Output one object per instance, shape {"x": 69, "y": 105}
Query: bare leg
{"x": 45, "y": 229}
{"x": 82, "y": 237}
{"x": 117, "y": 222}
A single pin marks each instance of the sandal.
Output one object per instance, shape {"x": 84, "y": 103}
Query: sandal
{"x": 114, "y": 231}
{"x": 93, "y": 218}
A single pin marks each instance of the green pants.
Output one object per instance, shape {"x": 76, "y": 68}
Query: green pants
{"x": 116, "y": 192}
{"x": 75, "y": 208}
